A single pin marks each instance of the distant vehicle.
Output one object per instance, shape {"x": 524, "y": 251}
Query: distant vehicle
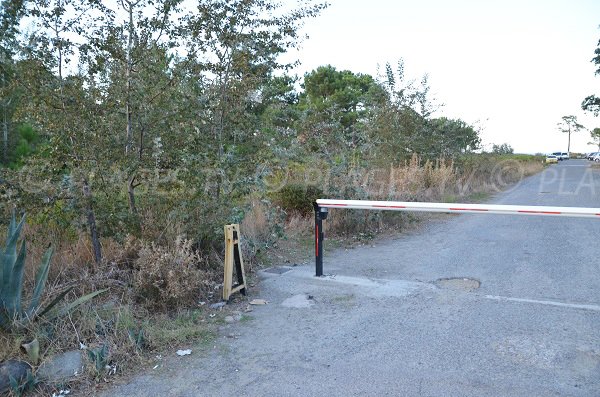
{"x": 565, "y": 156}
{"x": 590, "y": 156}
{"x": 551, "y": 158}
{"x": 558, "y": 155}
{"x": 596, "y": 157}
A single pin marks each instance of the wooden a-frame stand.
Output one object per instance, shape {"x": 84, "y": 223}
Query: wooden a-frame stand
{"x": 233, "y": 255}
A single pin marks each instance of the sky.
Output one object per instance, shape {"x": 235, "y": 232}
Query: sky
{"x": 511, "y": 67}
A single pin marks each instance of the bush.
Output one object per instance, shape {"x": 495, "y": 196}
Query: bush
{"x": 297, "y": 198}
{"x": 172, "y": 277}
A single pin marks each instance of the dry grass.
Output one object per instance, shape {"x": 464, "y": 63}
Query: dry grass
{"x": 415, "y": 180}
{"x": 172, "y": 277}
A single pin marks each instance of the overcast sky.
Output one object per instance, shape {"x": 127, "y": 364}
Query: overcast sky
{"x": 514, "y": 67}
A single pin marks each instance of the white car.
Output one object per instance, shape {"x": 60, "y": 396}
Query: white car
{"x": 596, "y": 157}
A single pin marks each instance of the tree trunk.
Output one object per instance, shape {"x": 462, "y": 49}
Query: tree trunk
{"x": 569, "y": 145}
{"x": 91, "y": 221}
{"x": 131, "y": 193}
{"x": 5, "y": 139}
{"x": 128, "y": 69}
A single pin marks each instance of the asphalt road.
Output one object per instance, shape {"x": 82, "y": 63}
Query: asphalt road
{"x": 383, "y": 324}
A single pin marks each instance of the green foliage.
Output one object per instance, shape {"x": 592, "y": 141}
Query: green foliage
{"x": 27, "y": 385}
{"x": 174, "y": 120}
{"x": 591, "y": 103}
{"x": 99, "y": 358}
{"x": 297, "y": 198}
{"x": 137, "y": 338}
{"x": 12, "y": 265}
{"x": 504, "y": 148}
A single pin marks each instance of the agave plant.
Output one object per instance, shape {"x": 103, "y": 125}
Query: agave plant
{"x": 12, "y": 266}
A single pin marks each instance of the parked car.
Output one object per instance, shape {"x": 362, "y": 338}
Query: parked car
{"x": 596, "y": 157}
{"x": 565, "y": 156}
{"x": 551, "y": 158}
{"x": 558, "y": 155}
{"x": 591, "y": 155}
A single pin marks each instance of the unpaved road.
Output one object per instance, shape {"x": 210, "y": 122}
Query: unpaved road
{"x": 383, "y": 325}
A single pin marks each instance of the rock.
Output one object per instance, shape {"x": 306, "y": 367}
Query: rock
{"x": 229, "y": 319}
{"x": 12, "y": 368}
{"x": 217, "y": 305}
{"x": 62, "y": 367}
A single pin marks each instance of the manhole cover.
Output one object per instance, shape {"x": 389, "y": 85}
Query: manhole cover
{"x": 278, "y": 269}
{"x": 459, "y": 283}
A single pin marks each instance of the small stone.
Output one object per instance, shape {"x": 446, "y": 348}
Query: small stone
{"x": 229, "y": 319}
{"x": 12, "y": 368}
{"x": 217, "y": 305}
{"x": 62, "y": 367}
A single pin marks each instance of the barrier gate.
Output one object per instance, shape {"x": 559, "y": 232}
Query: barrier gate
{"x": 321, "y": 207}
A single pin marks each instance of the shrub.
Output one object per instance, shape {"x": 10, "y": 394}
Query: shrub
{"x": 297, "y": 198}
{"x": 171, "y": 277}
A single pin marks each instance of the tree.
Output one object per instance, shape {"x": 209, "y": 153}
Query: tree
{"x": 569, "y": 125}
{"x": 592, "y": 103}
{"x": 504, "y": 148}
{"x": 595, "y": 133}
{"x": 335, "y": 104}
{"x": 11, "y": 13}
{"x": 403, "y": 125}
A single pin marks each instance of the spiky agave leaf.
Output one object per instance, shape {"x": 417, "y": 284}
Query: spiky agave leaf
{"x": 53, "y": 303}
{"x": 40, "y": 282}
{"x": 15, "y": 290}
{"x": 9, "y": 256}
{"x": 66, "y": 309}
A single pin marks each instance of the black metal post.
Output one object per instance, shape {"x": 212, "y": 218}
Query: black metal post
{"x": 320, "y": 215}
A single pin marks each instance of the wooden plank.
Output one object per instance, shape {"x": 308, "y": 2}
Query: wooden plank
{"x": 233, "y": 259}
{"x": 228, "y": 270}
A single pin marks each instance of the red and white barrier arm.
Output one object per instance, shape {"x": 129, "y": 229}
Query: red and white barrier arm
{"x": 580, "y": 212}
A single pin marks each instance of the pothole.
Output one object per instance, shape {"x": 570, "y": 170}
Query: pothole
{"x": 459, "y": 283}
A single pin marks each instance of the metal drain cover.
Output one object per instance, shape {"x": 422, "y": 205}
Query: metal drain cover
{"x": 459, "y": 283}
{"x": 278, "y": 269}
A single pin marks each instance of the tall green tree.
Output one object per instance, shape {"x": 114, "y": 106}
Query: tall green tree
{"x": 235, "y": 47}
{"x": 404, "y": 125}
{"x": 452, "y": 137}
{"x": 592, "y": 102}
{"x": 336, "y": 106}
{"x": 568, "y": 125}
{"x": 11, "y": 13}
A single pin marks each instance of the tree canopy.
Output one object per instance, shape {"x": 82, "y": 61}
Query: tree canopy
{"x": 152, "y": 113}
{"x": 591, "y": 103}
